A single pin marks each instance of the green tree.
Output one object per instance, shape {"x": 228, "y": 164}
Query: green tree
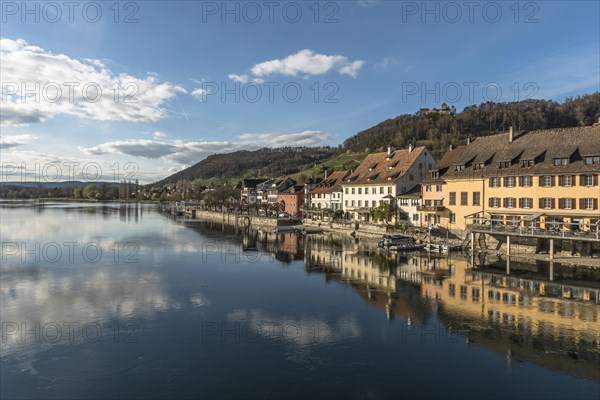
{"x": 89, "y": 192}
{"x": 384, "y": 212}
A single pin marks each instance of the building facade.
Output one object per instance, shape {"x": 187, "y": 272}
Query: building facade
{"x": 407, "y": 207}
{"x": 383, "y": 176}
{"x": 328, "y": 194}
{"x": 547, "y": 179}
{"x": 291, "y": 200}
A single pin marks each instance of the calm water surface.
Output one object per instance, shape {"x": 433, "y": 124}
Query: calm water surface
{"x": 119, "y": 301}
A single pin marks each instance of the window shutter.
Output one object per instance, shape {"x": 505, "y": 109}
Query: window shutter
{"x": 595, "y": 204}
{"x": 541, "y": 203}
{"x": 552, "y": 203}
{"x": 504, "y": 202}
{"x": 595, "y": 180}
{"x": 490, "y": 182}
{"x": 552, "y": 180}
{"x": 490, "y": 202}
{"x": 505, "y": 181}
{"x": 574, "y": 204}
{"x": 581, "y": 204}
{"x": 581, "y": 180}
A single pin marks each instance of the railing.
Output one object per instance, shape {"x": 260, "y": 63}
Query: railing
{"x": 593, "y": 233}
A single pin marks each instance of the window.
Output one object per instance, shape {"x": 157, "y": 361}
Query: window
{"x": 438, "y": 203}
{"x": 546, "y": 181}
{"x": 415, "y": 217}
{"x": 428, "y": 188}
{"x": 463, "y": 292}
{"x": 480, "y": 165}
{"x": 525, "y": 181}
{"x": 592, "y": 160}
{"x": 452, "y": 289}
{"x": 589, "y": 204}
{"x": 373, "y": 190}
{"x": 346, "y": 190}
{"x": 359, "y": 190}
{"x": 546, "y": 203}
{"x": 476, "y": 198}
{"x": 389, "y": 190}
{"x": 509, "y": 181}
{"x": 587, "y": 180}
{"x": 438, "y": 187}
{"x": 525, "y": 202}
{"x": 374, "y": 203}
{"x": 452, "y": 199}
{"x": 352, "y": 203}
{"x": 428, "y": 203}
{"x": 565, "y": 180}
{"x": 435, "y": 174}
{"x": 411, "y": 177}
{"x": 504, "y": 165}
{"x": 494, "y": 182}
{"x": 452, "y": 218}
{"x": 353, "y": 190}
{"x": 494, "y": 202}
{"x": 420, "y": 165}
{"x": 565, "y": 203}
{"x": 381, "y": 190}
{"x": 360, "y": 203}
{"x": 509, "y": 202}
{"x": 527, "y": 163}
{"x": 464, "y": 198}
{"x": 560, "y": 161}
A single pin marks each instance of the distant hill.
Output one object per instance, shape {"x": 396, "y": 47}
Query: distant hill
{"x": 54, "y": 185}
{"x": 437, "y": 130}
{"x": 265, "y": 163}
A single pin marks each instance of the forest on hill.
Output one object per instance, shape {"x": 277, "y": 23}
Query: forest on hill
{"x": 263, "y": 163}
{"x": 437, "y": 130}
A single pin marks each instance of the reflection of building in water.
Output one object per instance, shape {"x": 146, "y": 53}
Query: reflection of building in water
{"x": 369, "y": 272}
{"x": 524, "y": 316}
{"x": 289, "y": 247}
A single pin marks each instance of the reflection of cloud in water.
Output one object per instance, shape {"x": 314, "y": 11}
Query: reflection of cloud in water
{"x": 298, "y": 332}
{"x": 198, "y": 300}
{"x": 84, "y": 297}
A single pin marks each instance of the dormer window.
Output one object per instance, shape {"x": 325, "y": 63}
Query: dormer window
{"x": 589, "y": 160}
{"x": 459, "y": 167}
{"x": 560, "y": 161}
{"x": 435, "y": 174}
{"x": 527, "y": 163}
{"x": 504, "y": 164}
{"x": 480, "y": 165}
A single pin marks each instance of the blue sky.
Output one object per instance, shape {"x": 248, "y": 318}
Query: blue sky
{"x": 309, "y": 79}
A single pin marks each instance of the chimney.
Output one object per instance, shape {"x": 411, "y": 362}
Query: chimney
{"x": 510, "y": 134}
{"x": 468, "y": 140}
{"x": 391, "y": 149}
{"x": 450, "y": 146}
{"x": 410, "y": 147}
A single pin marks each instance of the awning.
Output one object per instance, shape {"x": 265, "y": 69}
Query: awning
{"x": 532, "y": 217}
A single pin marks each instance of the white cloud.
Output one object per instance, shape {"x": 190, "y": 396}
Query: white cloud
{"x": 385, "y": 64}
{"x": 7, "y": 142}
{"x": 199, "y": 93}
{"x": 59, "y": 81}
{"x": 306, "y": 62}
{"x": 186, "y": 153}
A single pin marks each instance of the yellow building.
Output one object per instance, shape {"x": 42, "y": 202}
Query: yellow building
{"x": 545, "y": 179}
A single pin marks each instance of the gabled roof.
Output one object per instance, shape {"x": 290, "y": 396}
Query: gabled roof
{"x": 331, "y": 183}
{"x": 294, "y": 189}
{"x": 382, "y": 167}
{"x": 415, "y": 191}
{"x": 542, "y": 146}
{"x": 249, "y": 183}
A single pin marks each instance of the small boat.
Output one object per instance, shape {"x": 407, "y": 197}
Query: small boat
{"x": 440, "y": 248}
{"x": 406, "y": 247}
{"x": 394, "y": 240}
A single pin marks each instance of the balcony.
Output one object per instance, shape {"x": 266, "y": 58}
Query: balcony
{"x": 432, "y": 209}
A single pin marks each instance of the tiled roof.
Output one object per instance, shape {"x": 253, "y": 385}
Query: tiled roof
{"x": 331, "y": 183}
{"x": 250, "y": 183}
{"x": 542, "y": 146}
{"x": 382, "y": 167}
{"x": 414, "y": 192}
{"x": 294, "y": 189}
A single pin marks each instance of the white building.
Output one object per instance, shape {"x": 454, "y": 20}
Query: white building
{"x": 383, "y": 176}
{"x": 407, "y": 206}
{"x": 327, "y": 196}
